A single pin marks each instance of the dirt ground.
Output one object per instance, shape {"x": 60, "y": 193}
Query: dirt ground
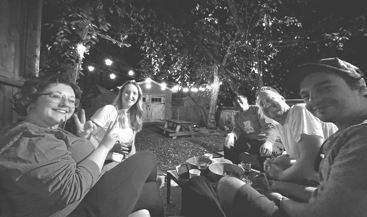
{"x": 172, "y": 152}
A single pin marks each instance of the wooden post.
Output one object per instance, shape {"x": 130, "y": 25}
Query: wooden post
{"x": 32, "y": 37}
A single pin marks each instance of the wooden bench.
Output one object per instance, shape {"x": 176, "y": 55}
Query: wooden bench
{"x": 165, "y": 129}
{"x": 173, "y": 133}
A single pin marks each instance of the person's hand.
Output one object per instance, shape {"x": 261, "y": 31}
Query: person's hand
{"x": 111, "y": 137}
{"x": 274, "y": 170}
{"x": 121, "y": 148}
{"x": 266, "y": 149}
{"x": 261, "y": 182}
{"x": 273, "y": 196}
{"x": 83, "y": 128}
{"x": 229, "y": 140}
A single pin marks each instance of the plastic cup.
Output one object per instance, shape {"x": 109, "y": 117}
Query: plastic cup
{"x": 194, "y": 172}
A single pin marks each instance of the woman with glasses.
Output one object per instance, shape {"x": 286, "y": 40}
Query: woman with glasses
{"x": 47, "y": 171}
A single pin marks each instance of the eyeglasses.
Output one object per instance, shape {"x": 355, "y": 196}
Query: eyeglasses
{"x": 58, "y": 97}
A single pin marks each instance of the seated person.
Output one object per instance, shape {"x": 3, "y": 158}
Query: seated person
{"x": 253, "y": 132}
{"x": 328, "y": 88}
{"x": 47, "y": 171}
{"x": 302, "y": 135}
{"x": 127, "y": 110}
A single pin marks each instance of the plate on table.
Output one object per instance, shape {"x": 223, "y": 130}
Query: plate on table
{"x": 218, "y": 169}
{"x": 221, "y": 160}
{"x": 193, "y": 161}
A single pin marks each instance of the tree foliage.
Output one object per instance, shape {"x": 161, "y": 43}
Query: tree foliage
{"x": 71, "y": 27}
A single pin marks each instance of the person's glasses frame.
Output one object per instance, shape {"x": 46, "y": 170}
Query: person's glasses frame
{"x": 58, "y": 97}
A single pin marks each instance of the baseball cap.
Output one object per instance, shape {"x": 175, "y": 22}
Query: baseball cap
{"x": 334, "y": 65}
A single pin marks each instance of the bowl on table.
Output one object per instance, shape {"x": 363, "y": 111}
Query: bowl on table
{"x": 221, "y": 160}
{"x": 218, "y": 170}
{"x": 193, "y": 162}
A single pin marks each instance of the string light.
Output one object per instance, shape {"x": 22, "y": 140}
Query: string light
{"x": 176, "y": 88}
{"x": 163, "y": 86}
{"x": 91, "y": 68}
{"x": 81, "y": 49}
{"x": 108, "y": 62}
{"x": 148, "y": 80}
{"x": 193, "y": 89}
{"x": 112, "y": 76}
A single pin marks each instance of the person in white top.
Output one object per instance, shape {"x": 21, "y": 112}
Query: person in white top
{"x": 302, "y": 135}
{"x": 127, "y": 109}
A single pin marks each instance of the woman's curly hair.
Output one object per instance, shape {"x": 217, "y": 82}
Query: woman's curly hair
{"x": 33, "y": 86}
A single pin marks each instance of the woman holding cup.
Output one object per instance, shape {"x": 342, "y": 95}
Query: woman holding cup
{"x": 127, "y": 110}
{"x": 47, "y": 171}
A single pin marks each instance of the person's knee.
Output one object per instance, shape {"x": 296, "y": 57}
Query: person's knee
{"x": 147, "y": 159}
{"x": 227, "y": 188}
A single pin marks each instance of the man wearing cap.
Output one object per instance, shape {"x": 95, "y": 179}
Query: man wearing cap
{"x": 302, "y": 135}
{"x": 334, "y": 91}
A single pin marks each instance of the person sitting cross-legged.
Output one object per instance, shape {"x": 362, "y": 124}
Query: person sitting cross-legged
{"x": 253, "y": 132}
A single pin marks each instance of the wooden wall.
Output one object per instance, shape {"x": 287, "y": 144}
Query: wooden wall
{"x": 20, "y": 30}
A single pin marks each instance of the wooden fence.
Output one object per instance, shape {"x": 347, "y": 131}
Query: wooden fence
{"x": 20, "y": 24}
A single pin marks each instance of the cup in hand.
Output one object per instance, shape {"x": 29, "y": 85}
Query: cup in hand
{"x": 194, "y": 172}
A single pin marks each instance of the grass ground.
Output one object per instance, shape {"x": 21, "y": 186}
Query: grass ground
{"x": 172, "y": 152}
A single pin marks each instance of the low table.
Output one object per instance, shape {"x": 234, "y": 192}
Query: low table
{"x": 172, "y": 175}
{"x": 181, "y": 180}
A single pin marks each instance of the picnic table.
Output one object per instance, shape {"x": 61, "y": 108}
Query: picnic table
{"x": 174, "y": 128}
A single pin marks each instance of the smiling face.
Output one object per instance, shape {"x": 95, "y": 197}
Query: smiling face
{"x": 272, "y": 104}
{"x": 129, "y": 96}
{"x": 46, "y": 113}
{"x": 328, "y": 97}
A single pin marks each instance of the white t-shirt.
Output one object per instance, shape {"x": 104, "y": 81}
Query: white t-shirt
{"x": 300, "y": 121}
{"x": 106, "y": 115}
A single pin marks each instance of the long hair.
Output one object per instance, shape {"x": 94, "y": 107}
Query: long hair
{"x": 136, "y": 111}
{"x": 35, "y": 85}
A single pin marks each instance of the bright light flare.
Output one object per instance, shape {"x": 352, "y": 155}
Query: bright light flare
{"x": 108, "y": 62}
{"x": 131, "y": 72}
{"x": 163, "y": 86}
{"x": 91, "y": 68}
{"x": 112, "y": 76}
{"x": 194, "y": 89}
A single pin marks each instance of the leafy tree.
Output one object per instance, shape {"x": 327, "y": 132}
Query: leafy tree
{"x": 204, "y": 41}
{"x": 71, "y": 27}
